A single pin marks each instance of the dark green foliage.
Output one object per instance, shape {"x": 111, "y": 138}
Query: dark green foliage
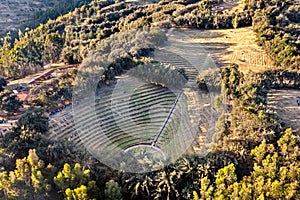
{"x": 76, "y": 183}
{"x": 28, "y": 133}
{"x": 71, "y": 37}
{"x": 272, "y": 176}
{"x": 276, "y": 79}
{"x": 159, "y": 74}
{"x": 112, "y": 191}
{"x": 253, "y": 157}
{"x": 3, "y": 83}
{"x": 26, "y": 181}
{"x": 34, "y": 120}
{"x": 9, "y": 102}
{"x": 275, "y": 33}
{"x": 231, "y": 79}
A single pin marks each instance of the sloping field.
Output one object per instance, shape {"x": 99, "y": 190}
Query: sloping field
{"x": 122, "y": 119}
{"x": 232, "y": 46}
{"x": 284, "y": 102}
{"x": 15, "y": 12}
{"x": 181, "y": 51}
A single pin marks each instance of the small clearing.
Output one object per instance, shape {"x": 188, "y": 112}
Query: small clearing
{"x": 284, "y": 103}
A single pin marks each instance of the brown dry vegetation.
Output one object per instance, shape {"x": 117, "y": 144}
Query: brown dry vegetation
{"x": 233, "y": 46}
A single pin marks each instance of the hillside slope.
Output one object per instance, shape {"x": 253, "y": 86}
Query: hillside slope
{"x": 15, "y": 15}
{"x": 71, "y": 37}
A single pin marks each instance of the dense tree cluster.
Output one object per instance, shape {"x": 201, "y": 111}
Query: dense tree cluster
{"x": 76, "y": 183}
{"x": 278, "y": 78}
{"x": 116, "y": 54}
{"x": 9, "y": 102}
{"x": 273, "y": 176}
{"x": 3, "y": 83}
{"x": 159, "y": 74}
{"x": 27, "y": 180}
{"x": 277, "y": 28}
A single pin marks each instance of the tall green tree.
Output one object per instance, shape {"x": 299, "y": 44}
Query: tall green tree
{"x": 112, "y": 191}
{"x": 235, "y": 21}
{"x": 76, "y": 183}
{"x": 34, "y": 120}
{"x": 26, "y": 181}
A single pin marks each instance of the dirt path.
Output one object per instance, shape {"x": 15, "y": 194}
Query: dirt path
{"x": 284, "y": 102}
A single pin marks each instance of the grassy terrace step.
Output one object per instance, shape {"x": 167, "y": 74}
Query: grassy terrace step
{"x": 147, "y": 99}
{"x": 176, "y": 60}
{"x": 118, "y": 140}
{"x": 137, "y": 110}
{"x": 132, "y": 110}
{"x": 111, "y": 132}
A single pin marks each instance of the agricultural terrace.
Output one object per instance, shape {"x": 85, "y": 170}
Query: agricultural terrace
{"x": 233, "y": 46}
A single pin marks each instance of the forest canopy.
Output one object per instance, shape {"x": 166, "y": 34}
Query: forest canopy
{"x": 254, "y": 154}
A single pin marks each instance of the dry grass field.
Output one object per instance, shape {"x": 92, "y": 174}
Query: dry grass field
{"x": 284, "y": 103}
{"x": 233, "y": 46}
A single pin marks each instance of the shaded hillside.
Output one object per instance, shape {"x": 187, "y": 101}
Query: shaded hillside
{"x": 15, "y": 15}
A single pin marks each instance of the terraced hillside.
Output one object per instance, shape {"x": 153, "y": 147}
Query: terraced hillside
{"x": 15, "y": 15}
{"x": 122, "y": 119}
{"x": 181, "y": 51}
{"x": 233, "y": 46}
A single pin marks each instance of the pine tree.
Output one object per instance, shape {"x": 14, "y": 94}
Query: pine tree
{"x": 112, "y": 191}
{"x": 196, "y": 197}
{"x": 206, "y": 189}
